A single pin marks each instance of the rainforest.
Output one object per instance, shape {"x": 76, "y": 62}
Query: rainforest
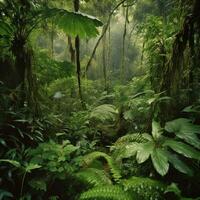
{"x": 99, "y": 99}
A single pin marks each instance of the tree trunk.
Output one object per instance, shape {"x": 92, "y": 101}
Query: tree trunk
{"x": 32, "y": 92}
{"x": 109, "y": 56}
{"x": 194, "y": 44}
{"x": 52, "y": 39}
{"x": 122, "y": 73}
{"x": 104, "y": 63}
{"x": 78, "y": 65}
{"x": 71, "y": 49}
{"x": 185, "y": 56}
{"x": 19, "y": 51}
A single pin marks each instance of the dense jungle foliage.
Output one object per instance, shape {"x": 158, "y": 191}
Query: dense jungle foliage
{"x": 99, "y": 99}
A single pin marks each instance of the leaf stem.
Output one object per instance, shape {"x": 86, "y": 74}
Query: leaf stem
{"x": 22, "y": 186}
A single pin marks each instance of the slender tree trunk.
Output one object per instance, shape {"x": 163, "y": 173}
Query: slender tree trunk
{"x": 142, "y": 55}
{"x": 78, "y": 65}
{"x": 122, "y": 73}
{"x": 104, "y": 63}
{"x": 109, "y": 55}
{"x": 52, "y": 39}
{"x": 71, "y": 50}
{"x": 78, "y": 68}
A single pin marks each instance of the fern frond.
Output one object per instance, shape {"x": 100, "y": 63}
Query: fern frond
{"x": 94, "y": 177}
{"x": 145, "y": 188}
{"x": 129, "y": 138}
{"x": 106, "y": 193}
{"x": 104, "y": 112}
{"x": 88, "y": 159}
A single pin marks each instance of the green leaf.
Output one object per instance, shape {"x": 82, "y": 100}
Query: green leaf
{"x": 151, "y": 100}
{"x": 2, "y": 142}
{"x": 160, "y": 161}
{"x": 192, "y": 109}
{"x": 31, "y": 166}
{"x": 95, "y": 177}
{"x": 76, "y": 23}
{"x": 179, "y": 164}
{"x": 147, "y": 136}
{"x": 106, "y": 192}
{"x": 5, "y": 29}
{"x": 156, "y": 130}
{"x": 13, "y": 162}
{"x": 124, "y": 150}
{"x": 190, "y": 138}
{"x": 4, "y": 194}
{"x": 173, "y": 188}
{"x": 144, "y": 151}
{"x": 128, "y": 115}
{"x": 182, "y": 125}
{"x": 184, "y": 129}
{"x": 129, "y": 150}
{"x": 53, "y": 198}
{"x": 89, "y": 159}
{"x": 183, "y": 149}
{"x": 38, "y": 185}
{"x": 145, "y": 188}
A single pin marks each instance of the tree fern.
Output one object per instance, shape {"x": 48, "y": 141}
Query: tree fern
{"x": 106, "y": 193}
{"x": 94, "y": 177}
{"x": 88, "y": 159}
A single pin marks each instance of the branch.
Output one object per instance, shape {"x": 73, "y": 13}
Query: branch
{"x": 129, "y": 5}
{"x": 102, "y": 34}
